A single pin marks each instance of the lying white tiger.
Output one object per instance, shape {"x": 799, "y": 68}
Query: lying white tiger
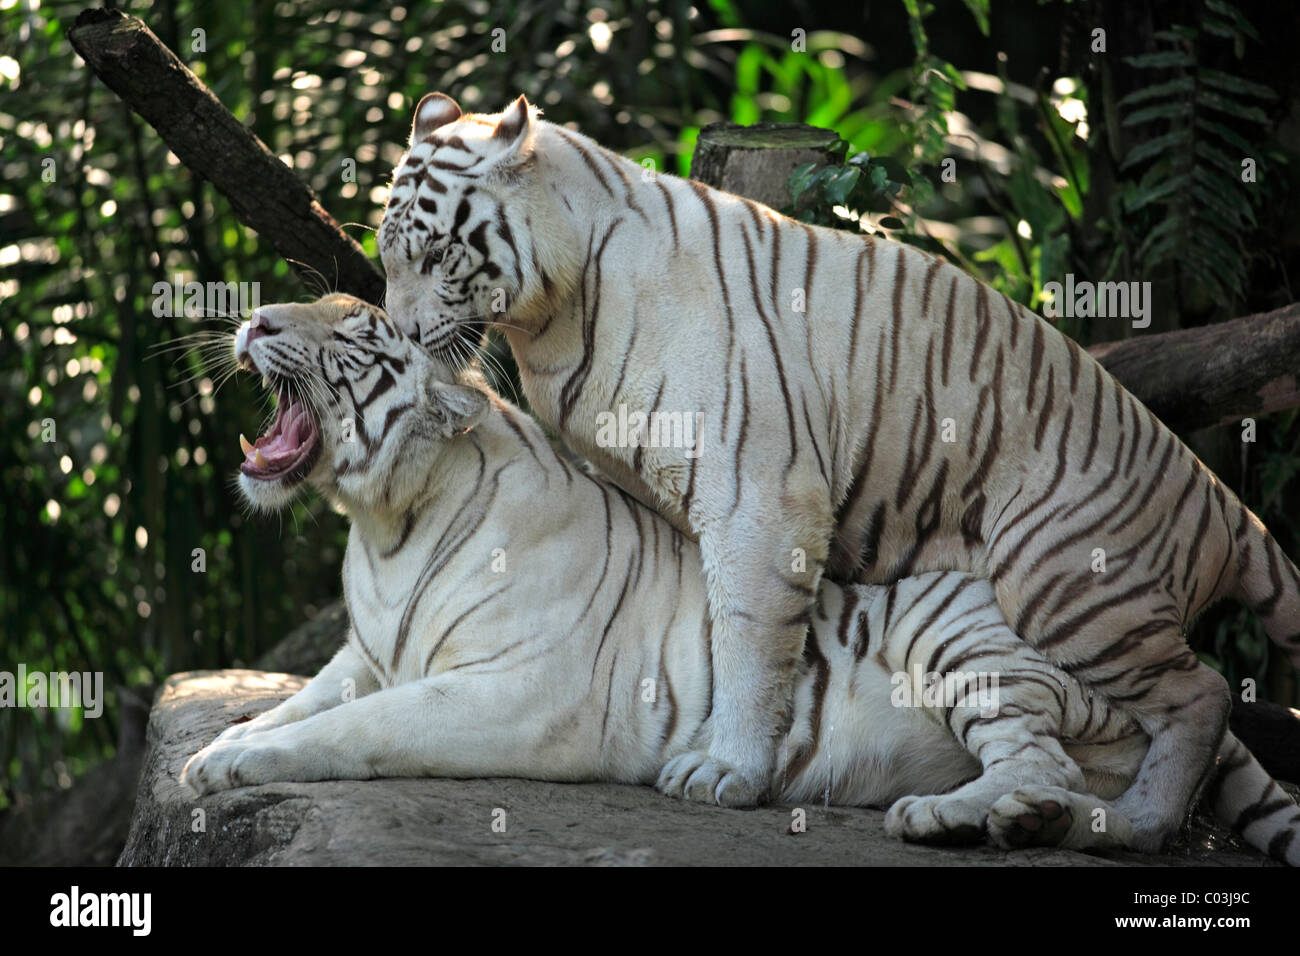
{"x": 515, "y": 616}
{"x": 827, "y": 368}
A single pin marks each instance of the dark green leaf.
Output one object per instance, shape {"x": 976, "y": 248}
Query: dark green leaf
{"x": 1158, "y": 146}
{"x": 1180, "y": 86}
{"x": 1168, "y": 187}
{"x": 1218, "y": 202}
{"x": 894, "y": 169}
{"x": 800, "y": 179}
{"x": 1228, "y": 135}
{"x": 839, "y": 185}
{"x": 979, "y": 9}
{"x": 1214, "y": 101}
{"x": 1164, "y": 59}
{"x": 1235, "y": 84}
{"x": 1225, "y": 9}
{"x": 1221, "y": 162}
{"x": 1171, "y": 110}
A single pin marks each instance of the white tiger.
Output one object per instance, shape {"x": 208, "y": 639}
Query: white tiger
{"x": 824, "y": 365}
{"x": 513, "y": 615}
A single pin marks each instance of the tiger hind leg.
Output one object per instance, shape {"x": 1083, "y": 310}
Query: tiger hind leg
{"x": 1126, "y": 644}
{"x": 1241, "y": 794}
{"x": 1185, "y": 713}
{"x": 1017, "y": 742}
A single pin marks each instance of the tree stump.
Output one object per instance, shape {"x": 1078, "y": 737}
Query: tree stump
{"x": 756, "y": 161}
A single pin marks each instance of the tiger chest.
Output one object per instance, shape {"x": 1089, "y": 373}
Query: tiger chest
{"x": 391, "y": 605}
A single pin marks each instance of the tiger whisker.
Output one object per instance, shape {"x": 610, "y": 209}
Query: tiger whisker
{"x": 308, "y": 271}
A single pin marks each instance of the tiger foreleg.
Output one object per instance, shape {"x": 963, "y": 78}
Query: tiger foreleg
{"x": 344, "y": 678}
{"x": 427, "y": 728}
{"x": 762, "y": 585}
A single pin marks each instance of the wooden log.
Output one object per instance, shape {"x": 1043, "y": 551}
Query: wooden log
{"x": 264, "y": 193}
{"x": 1214, "y": 374}
{"x": 756, "y": 161}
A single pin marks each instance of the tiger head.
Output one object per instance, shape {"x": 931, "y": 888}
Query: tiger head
{"x": 470, "y": 236}
{"x": 360, "y": 409}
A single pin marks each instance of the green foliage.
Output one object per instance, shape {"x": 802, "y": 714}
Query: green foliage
{"x": 1191, "y": 146}
{"x": 935, "y": 82}
{"x": 1045, "y": 190}
{"x": 860, "y": 184}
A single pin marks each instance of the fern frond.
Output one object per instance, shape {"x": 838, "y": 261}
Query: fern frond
{"x": 1190, "y": 199}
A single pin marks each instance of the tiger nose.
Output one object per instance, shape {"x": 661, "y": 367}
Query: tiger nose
{"x": 258, "y": 326}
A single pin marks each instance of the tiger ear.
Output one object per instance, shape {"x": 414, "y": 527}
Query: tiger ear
{"x": 514, "y": 132}
{"x": 457, "y": 408}
{"x": 435, "y": 110}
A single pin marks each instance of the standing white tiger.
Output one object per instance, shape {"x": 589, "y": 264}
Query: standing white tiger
{"x": 824, "y": 364}
{"x": 543, "y": 666}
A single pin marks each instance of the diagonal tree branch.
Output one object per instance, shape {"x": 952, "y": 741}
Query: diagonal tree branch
{"x": 207, "y": 138}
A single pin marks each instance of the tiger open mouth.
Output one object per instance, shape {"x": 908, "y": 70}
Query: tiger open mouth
{"x": 289, "y": 449}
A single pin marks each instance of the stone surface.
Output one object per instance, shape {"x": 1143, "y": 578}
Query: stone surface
{"x": 441, "y": 822}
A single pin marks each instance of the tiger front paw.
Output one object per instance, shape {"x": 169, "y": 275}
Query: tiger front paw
{"x": 226, "y": 764}
{"x": 937, "y": 820}
{"x": 696, "y": 776}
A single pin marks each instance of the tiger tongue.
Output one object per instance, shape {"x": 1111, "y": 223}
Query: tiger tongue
{"x": 283, "y": 442}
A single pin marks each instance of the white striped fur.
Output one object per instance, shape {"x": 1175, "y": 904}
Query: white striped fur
{"x": 826, "y": 367}
{"x": 513, "y": 615}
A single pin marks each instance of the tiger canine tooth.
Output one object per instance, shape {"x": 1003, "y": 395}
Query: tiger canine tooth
{"x": 259, "y": 459}
{"x": 266, "y": 381}
{"x": 245, "y": 445}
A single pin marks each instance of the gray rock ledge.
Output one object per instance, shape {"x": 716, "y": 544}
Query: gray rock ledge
{"x": 449, "y": 822}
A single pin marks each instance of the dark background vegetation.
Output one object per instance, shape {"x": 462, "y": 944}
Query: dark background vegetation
{"x": 1117, "y": 165}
